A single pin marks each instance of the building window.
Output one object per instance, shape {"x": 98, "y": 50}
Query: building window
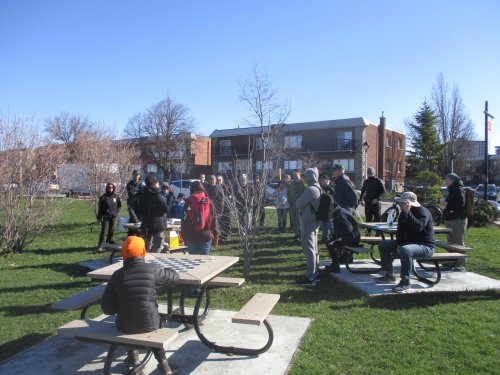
{"x": 347, "y": 163}
{"x": 388, "y": 141}
{"x": 224, "y": 166}
{"x": 399, "y": 167}
{"x": 293, "y": 141}
{"x": 225, "y": 147}
{"x": 258, "y": 166}
{"x": 260, "y": 144}
{"x": 400, "y": 143}
{"x": 388, "y": 166}
{"x": 152, "y": 168}
{"x": 344, "y": 140}
{"x": 291, "y": 165}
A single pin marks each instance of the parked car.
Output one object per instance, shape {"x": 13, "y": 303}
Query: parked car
{"x": 271, "y": 189}
{"x": 491, "y": 193}
{"x": 182, "y": 186}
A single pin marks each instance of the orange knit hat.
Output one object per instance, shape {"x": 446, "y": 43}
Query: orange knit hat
{"x": 133, "y": 246}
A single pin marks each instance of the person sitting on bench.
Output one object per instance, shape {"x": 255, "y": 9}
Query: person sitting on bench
{"x": 131, "y": 294}
{"x": 414, "y": 239}
{"x": 345, "y": 233}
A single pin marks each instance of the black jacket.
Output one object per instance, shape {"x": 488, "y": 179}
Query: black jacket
{"x": 455, "y": 202}
{"x": 346, "y": 227}
{"x": 373, "y": 188}
{"x": 344, "y": 193}
{"x": 131, "y": 294}
{"x": 152, "y": 208}
{"x": 109, "y": 204}
{"x": 415, "y": 227}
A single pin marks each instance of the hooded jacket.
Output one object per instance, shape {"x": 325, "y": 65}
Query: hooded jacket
{"x": 109, "y": 204}
{"x": 131, "y": 294}
{"x": 455, "y": 202}
{"x": 310, "y": 196}
{"x": 151, "y": 210}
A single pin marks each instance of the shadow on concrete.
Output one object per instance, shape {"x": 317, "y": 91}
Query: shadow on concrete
{"x": 13, "y": 347}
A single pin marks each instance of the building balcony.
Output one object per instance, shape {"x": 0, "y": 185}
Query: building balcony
{"x": 328, "y": 145}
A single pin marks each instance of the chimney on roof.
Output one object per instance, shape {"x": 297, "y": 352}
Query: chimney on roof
{"x": 381, "y": 148}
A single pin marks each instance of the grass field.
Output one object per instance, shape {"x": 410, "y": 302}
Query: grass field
{"x": 350, "y": 334}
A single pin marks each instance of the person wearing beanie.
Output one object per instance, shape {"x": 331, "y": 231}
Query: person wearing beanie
{"x": 134, "y": 188}
{"x": 131, "y": 294}
{"x": 454, "y": 213}
{"x": 371, "y": 194}
{"x": 108, "y": 211}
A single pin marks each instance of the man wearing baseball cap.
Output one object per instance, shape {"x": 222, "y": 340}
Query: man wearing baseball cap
{"x": 414, "y": 239}
{"x": 131, "y": 294}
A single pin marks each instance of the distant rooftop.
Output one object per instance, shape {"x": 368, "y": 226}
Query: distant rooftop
{"x": 328, "y": 124}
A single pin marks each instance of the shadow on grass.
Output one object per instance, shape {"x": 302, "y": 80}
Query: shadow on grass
{"x": 66, "y": 250}
{"x": 410, "y": 301}
{"x": 73, "y": 270}
{"x": 85, "y": 283}
{"x": 26, "y": 310}
{"x": 13, "y": 347}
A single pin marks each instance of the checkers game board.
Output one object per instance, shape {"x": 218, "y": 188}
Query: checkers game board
{"x": 179, "y": 265}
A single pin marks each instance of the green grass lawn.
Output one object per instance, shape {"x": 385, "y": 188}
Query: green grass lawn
{"x": 350, "y": 334}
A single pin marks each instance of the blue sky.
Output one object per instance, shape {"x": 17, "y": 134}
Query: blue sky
{"x": 109, "y": 60}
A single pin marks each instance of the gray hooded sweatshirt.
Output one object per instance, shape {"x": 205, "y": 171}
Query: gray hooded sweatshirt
{"x": 310, "y": 195}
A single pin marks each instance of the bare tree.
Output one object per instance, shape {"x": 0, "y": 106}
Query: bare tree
{"x": 28, "y": 163}
{"x": 267, "y": 113}
{"x": 102, "y": 159}
{"x": 67, "y": 128}
{"x": 161, "y": 128}
{"x": 454, "y": 124}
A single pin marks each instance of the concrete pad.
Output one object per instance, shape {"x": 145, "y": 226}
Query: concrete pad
{"x": 186, "y": 355}
{"x": 451, "y": 281}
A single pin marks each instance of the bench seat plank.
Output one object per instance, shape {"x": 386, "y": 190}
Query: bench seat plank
{"x": 370, "y": 240}
{"x": 443, "y": 257}
{"x": 81, "y": 300}
{"x": 358, "y": 249}
{"x": 106, "y": 332}
{"x": 226, "y": 281}
{"x": 453, "y": 247}
{"x": 257, "y": 309}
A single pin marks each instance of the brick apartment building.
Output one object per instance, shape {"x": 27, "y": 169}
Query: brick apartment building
{"x": 354, "y": 142}
{"x": 190, "y": 159}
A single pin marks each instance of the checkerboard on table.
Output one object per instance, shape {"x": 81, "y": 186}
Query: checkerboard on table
{"x": 177, "y": 264}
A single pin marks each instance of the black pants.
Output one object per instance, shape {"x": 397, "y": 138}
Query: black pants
{"x": 107, "y": 229}
{"x": 335, "y": 250}
{"x": 372, "y": 212}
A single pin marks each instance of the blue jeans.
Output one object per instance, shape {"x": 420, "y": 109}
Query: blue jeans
{"x": 154, "y": 242}
{"x": 326, "y": 226}
{"x": 406, "y": 253}
{"x": 195, "y": 248}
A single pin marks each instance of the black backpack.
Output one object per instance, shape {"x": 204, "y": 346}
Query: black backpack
{"x": 325, "y": 203}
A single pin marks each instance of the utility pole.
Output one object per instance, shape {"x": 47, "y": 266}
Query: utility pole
{"x": 487, "y": 124}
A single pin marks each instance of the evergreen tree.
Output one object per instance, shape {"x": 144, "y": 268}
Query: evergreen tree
{"x": 424, "y": 139}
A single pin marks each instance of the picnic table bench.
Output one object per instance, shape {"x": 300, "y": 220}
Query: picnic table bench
{"x": 81, "y": 300}
{"x": 104, "y": 331}
{"x": 435, "y": 259}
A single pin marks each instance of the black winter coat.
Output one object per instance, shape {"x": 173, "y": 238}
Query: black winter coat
{"x": 131, "y": 294}
{"x": 152, "y": 208}
{"x": 455, "y": 202}
{"x": 415, "y": 227}
{"x": 346, "y": 226}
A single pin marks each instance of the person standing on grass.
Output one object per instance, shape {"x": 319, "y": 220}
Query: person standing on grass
{"x": 344, "y": 193}
{"x": 134, "y": 188}
{"x": 326, "y": 225}
{"x": 288, "y": 180}
{"x": 281, "y": 206}
{"x": 132, "y": 294}
{"x": 225, "y": 221}
{"x": 371, "y": 194}
{"x": 414, "y": 239}
{"x": 295, "y": 190}
{"x": 199, "y": 225}
{"x": 107, "y": 215}
{"x": 168, "y": 195}
{"x": 307, "y": 205}
{"x": 152, "y": 209}
{"x": 454, "y": 213}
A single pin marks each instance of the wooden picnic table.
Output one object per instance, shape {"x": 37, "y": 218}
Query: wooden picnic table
{"x": 384, "y": 228}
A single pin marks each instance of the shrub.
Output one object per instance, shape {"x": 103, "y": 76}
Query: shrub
{"x": 484, "y": 213}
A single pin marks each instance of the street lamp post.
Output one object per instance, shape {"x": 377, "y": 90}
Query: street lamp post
{"x": 452, "y": 157}
{"x": 366, "y": 146}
